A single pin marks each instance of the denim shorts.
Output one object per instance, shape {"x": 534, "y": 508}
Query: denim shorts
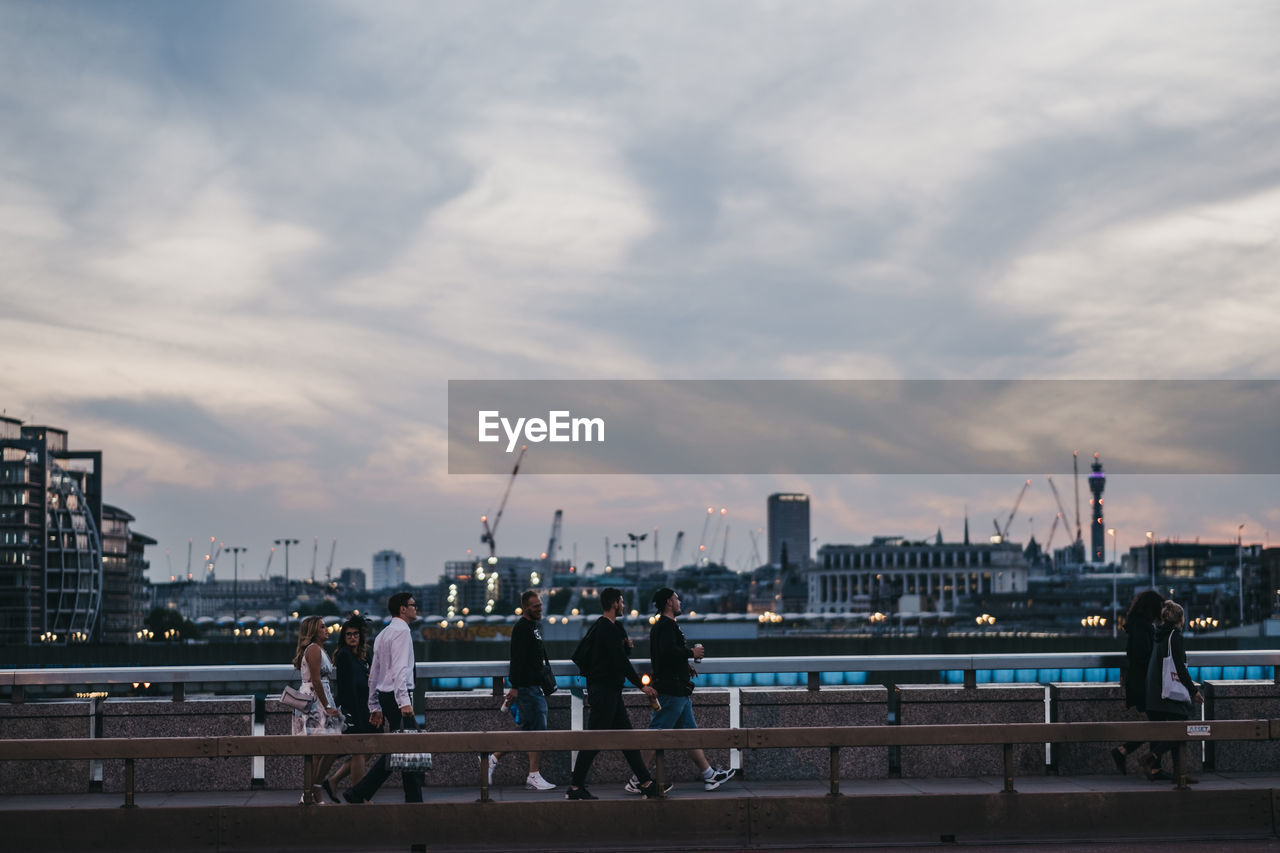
{"x": 676, "y": 713}
{"x": 533, "y": 709}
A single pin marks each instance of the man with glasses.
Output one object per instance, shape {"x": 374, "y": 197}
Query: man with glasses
{"x": 391, "y": 695}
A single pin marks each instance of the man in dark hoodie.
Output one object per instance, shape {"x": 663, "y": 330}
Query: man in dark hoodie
{"x": 607, "y": 668}
{"x": 670, "y": 654}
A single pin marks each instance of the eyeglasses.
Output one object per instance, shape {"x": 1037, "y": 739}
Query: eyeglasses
{"x": 412, "y": 604}
{"x": 351, "y": 634}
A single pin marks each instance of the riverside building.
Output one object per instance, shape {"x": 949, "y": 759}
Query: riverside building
{"x": 893, "y": 574}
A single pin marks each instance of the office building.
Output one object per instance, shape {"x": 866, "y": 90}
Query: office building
{"x": 388, "y": 570}
{"x": 788, "y": 515}
{"x": 51, "y": 580}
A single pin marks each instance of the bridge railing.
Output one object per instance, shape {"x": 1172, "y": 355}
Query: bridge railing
{"x": 482, "y": 744}
{"x": 19, "y": 682}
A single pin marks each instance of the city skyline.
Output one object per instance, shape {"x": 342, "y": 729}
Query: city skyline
{"x": 246, "y": 274}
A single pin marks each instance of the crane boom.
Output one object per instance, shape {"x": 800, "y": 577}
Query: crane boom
{"x": 675, "y": 551}
{"x": 328, "y": 570}
{"x": 1004, "y": 534}
{"x": 490, "y": 531}
{"x": 554, "y": 541}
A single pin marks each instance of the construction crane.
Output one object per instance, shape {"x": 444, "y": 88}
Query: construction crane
{"x": 328, "y": 570}
{"x": 673, "y": 563}
{"x": 1052, "y": 530}
{"x": 315, "y": 555}
{"x": 724, "y": 554}
{"x": 702, "y": 539}
{"x": 267, "y": 569}
{"x": 1004, "y": 533}
{"x": 755, "y": 549}
{"x": 553, "y": 543}
{"x": 489, "y": 531}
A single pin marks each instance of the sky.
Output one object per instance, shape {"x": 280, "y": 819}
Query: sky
{"x": 245, "y": 245}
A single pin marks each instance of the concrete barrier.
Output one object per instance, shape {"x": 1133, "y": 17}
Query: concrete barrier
{"x": 769, "y": 707}
{"x": 1242, "y": 700}
{"x": 56, "y": 719}
{"x": 124, "y": 718}
{"x": 927, "y": 704}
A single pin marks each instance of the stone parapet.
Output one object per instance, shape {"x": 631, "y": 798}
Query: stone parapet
{"x": 928, "y": 704}
{"x": 767, "y": 707}
{"x": 57, "y": 719}
{"x": 1242, "y": 700}
{"x": 221, "y": 717}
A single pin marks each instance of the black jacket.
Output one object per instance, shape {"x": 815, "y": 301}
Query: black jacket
{"x": 669, "y": 654}
{"x": 526, "y": 654}
{"x": 353, "y": 684}
{"x": 1142, "y": 638}
{"x": 1168, "y": 638}
{"x": 607, "y": 664}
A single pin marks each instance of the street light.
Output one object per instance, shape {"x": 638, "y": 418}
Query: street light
{"x": 1240, "y": 566}
{"x": 1115, "y": 567}
{"x": 1151, "y": 537}
{"x": 235, "y": 583}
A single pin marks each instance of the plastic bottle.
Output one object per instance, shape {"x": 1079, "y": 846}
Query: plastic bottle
{"x": 515, "y": 712}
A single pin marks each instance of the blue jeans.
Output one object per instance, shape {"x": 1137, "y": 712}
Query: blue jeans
{"x": 676, "y": 713}
{"x": 533, "y": 709}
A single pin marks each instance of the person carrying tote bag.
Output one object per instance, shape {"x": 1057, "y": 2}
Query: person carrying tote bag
{"x": 1166, "y": 673}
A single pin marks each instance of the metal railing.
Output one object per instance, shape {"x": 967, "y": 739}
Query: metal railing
{"x": 1004, "y": 735}
{"x": 19, "y": 681}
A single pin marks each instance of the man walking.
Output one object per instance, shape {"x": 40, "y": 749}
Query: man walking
{"x": 606, "y": 667}
{"x": 391, "y": 696}
{"x": 525, "y": 677}
{"x": 673, "y": 679}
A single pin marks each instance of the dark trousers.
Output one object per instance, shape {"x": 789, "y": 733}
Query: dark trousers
{"x": 1159, "y": 748}
{"x": 378, "y": 773}
{"x": 607, "y": 712}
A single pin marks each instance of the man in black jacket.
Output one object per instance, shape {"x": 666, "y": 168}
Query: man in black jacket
{"x": 525, "y": 678}
{"x": 673, "y": 678}
{"x": 607, "y": 668}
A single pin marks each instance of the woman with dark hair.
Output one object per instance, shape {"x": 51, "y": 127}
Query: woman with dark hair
{"x": 1140, "y": 627}
{"x": 352, "y": 663}
{"x": 1168, "y": 643}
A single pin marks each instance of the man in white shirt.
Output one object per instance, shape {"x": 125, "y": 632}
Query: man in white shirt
{"x": 391, "y": 695}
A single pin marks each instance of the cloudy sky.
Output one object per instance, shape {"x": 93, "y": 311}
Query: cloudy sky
{"x": 244, "y": 245}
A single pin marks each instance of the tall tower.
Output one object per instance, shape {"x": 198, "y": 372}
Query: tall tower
{"x": 1097, "y": 482}
{"x": 788, "y": 516}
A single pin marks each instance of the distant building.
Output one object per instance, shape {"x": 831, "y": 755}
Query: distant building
{"x": 125, "y": 596}
{"x": 788, "y": 515}
{"x": 388, "y": 569}
{"x": 936, "y": 576}
{"x": 352, "y": 580}
{"x": 482, "y": 587}
{"x": 51, "y": 581}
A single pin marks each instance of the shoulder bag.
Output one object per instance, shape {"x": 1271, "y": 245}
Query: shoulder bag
{"x": 547, "y": 677}
{"x": 1171, "y": 687}
{"x": 295, "y": 698}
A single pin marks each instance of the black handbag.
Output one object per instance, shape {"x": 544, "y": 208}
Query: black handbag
{"x": 547, "y": 676}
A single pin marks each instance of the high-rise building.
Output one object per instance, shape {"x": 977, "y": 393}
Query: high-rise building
{"x": 51, "y": 581}
{"x": 388, "y": 569}
{"x": 1097, "y": 482}
{"x": 125, "y": 596}
{"x": 789, "y": 529}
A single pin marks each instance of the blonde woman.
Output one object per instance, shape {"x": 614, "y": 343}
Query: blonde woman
{"x": 321, "y": 717}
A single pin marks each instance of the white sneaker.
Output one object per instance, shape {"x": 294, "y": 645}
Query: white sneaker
{"x": 493, "y": 765}
{"x": 535, "y": 782}
{"x": 718, "y": 778}
{"x": 632, "y": 786}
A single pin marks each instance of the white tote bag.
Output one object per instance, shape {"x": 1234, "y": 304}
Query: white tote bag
{"x": 1171, "y": 687}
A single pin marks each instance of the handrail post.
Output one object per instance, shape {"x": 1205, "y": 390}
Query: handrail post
{"x": 179, "y": 691}
{"x": 484, "y": 777}
{"x": 659, "y": 769}
{"x": 970, "y": 679}
{"x": 1179, "y": 765}
{"x": 835, "y": 772}
{"x": 498, "y": 690}
{"x": 815, "y": 681}
{"x": 128, "y": 785}
{"x": 1008, "y": 768}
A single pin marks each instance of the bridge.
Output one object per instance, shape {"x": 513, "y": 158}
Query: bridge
{"x": 1009, "y": 762}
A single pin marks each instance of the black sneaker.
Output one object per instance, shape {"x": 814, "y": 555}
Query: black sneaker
{"x": 580, "y": 794}
{"x": 718, "y": 778}
{"x": 652, "y": 791}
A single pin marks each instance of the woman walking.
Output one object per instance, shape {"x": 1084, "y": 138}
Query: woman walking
{"x": 352, "y": 663}
{"x": 1168, "y": 644}
{"x": 321, "y": 717}
{"x": 1140, "y": 628}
